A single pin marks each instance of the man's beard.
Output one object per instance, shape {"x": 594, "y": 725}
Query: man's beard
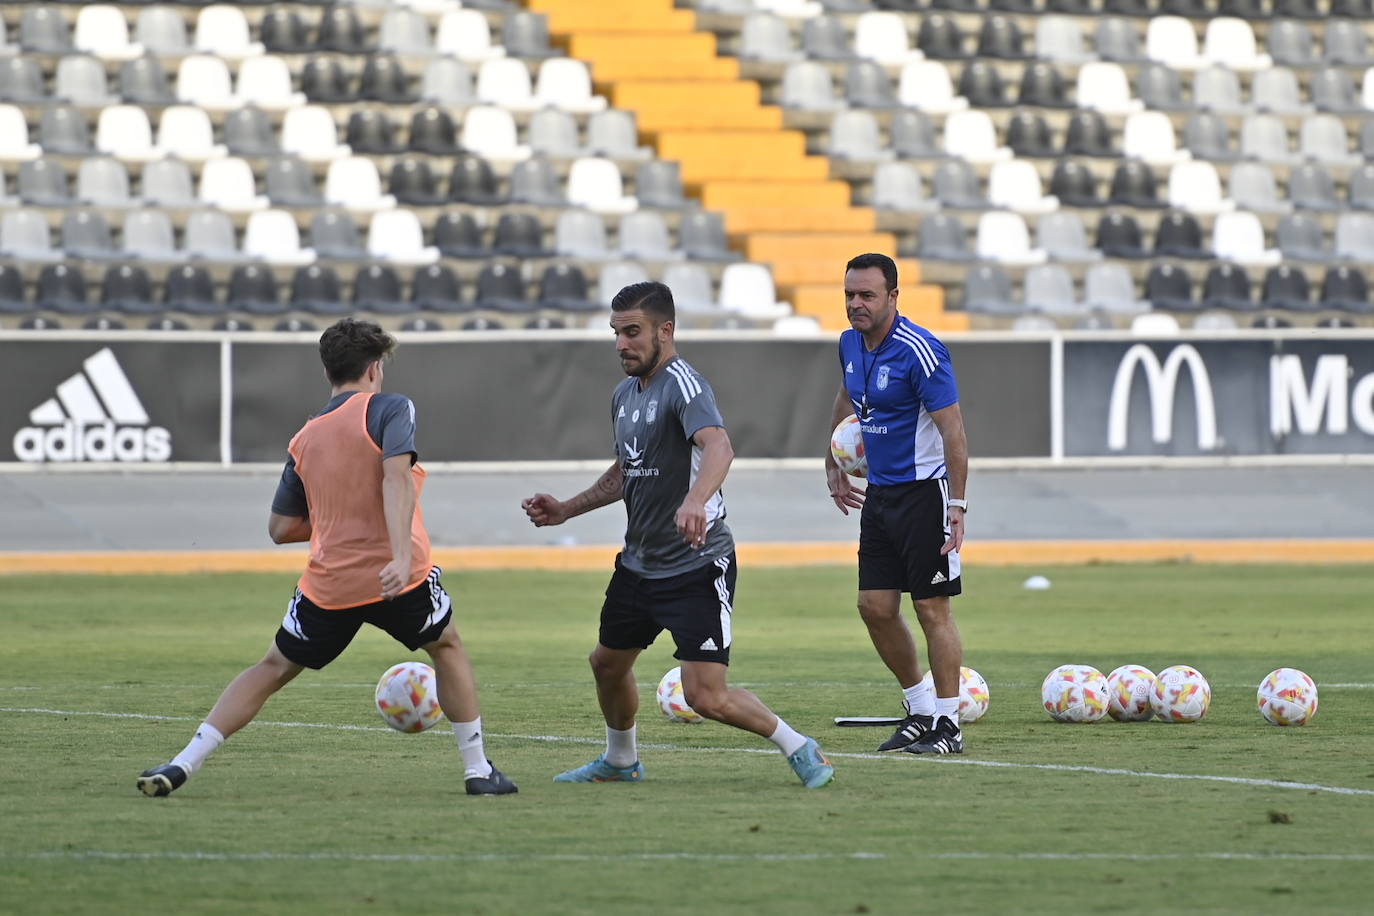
{"x": 644, "y": 367}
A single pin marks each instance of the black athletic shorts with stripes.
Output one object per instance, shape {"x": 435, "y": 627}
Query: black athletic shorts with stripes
{"x": 695, "y": 607}
{"x": 901, "y": 530}
{"x": 313, "y": 636}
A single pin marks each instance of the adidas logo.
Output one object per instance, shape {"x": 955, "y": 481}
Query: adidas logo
{"x": 849, "y": 367}
{"x": 709, "y": 645}
{"x": 939, "y": 577}
{"x": 95, "y": 416}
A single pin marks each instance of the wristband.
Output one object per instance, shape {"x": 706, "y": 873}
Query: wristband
{"x": 958, "y": 504}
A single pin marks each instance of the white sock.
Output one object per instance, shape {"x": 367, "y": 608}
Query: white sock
{"x": 920, "y": 698}
{"x": 621, "y": 750}
{"x": 948, "y": 706}
{"x": 469, "y": 737}
{"x": 206, "y": 742}
{"x": 787, "y": 738}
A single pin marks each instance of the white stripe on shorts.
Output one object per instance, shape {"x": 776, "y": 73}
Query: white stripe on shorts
{"x": 289, "y": 623}
{"x": 723, "y": 593}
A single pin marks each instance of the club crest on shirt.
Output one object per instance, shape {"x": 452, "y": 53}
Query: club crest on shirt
{"x": 651, "y": 412}
{"x": 884, "y": 373}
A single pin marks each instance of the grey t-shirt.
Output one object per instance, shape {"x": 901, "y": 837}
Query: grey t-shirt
{"x": 653, "y": 440}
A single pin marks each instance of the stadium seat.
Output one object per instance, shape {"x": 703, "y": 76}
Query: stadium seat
{"x": 143, "y": 81}
{"x": 1360, "y": 190}
{"x": 1149, "y": 135}
{"x": 1276, "y": 90}
{"x": 377, "y": 289}
{"x": 1311, "y": 187}
{"x": 1109, "y": 287}
{"x": 526, "y": 34}
{"x": 987, "y": 290}
{"x": 554, "y": 133}
{"x": 272, "y": 235}
{"x": 1060, "y": 39}
{"x": 1287, "y": 289}
{"x": 396, "y": 236}
{"x": 1028, "y": 135}
{"x": 567, "y": 84}
{"x": 898, "y": 186}
{"x": 1168, "y": 287}
{"x": 447, "y": 81}
{"x": 808, "y": 86}
{"x": 62, "y": 288}
{"x": 1299, "y": 237}
{"x": 161, "y": 31}
{"x": 253, "y": 290}
{"x": 1196, "y": 187}
{"x": 310, "y": 132}
{"x": 325, "y": 80}
{"x": 1227, "y": 286}
{"x": 1172, "y": 41}
{"x": 942, "y": 238}
{"x": 86, "y": 235}
{"x": 564, "y": 287}
{"x": 473, "y": 181}
{"x": 1075, "y": 185}
{"x": 926, "y": 85}
{"x": 185, "y": 132}
{"x": 1332, "y": 89}
{"x": 939, "y": 38}
{"x": 1367, "y": 93}
{"x": 1264, "y": 138}
{"x": 457, "y": 235}
{"x": 435, "y": 288}
{"x": 103, "y": 182}
{"x": 580, "y": 234}
{"x": 913, "y": 135}
{"x": 282, "y": 30}
{"x": 1159, "y": 88}
{"x": 1004, "y": 238}
{"x": 62, "y": 131}
{"x": 334, "y": 236}
{"x": 519, "y": 235}
{"x": 465, "y": 34}
{"x": 413, "y": 183}
{"x": 1064, "y": 238}
{"x": 701, "y": 236}
{"x": 1217, "y": 89}
{"x": 371, "y": 132}
{"x": 854, "y": 136}
{"x": 644, "y": 235}
{"x": 44, "y": 30}
{"x": 500, "y": 289}
{"x": 506, "y": 82}
{"x": 882, "y": 36}
{"x": 981, "y": 84}
{"x": 167, "y": 183}
{"x": 971, "y": 135}
{"x": 1253, "y": 187}
{"x": 613, "y": 133}
{"x": 341, "y": 30}
{"x": 866, "y": 85}
{"x": 1354, "y": 238}
{"x": 1323, "y": 138}
{"x": 658, "y": 183}
{"x": 432, "y": 131}
{"x": 1088, "y": 135}
{"x": 289, "y": 182}
{"x": 222, "y": 30}
{"x": 1102, "y": 86}
{"x": 1118, "y": 236}
{"x": 535, "y": 181}
{"x": 1049, "y": 288}
{"x": 825, "y": 38}
{"x": 1290, "y": 43}
{"x": 489, "y": 132}
{"x": 1207, "y": 136}
{"x": 956, "y": 186}
{"x": 21, "y": 81}
{"x": 13, "y": 300}
{"x": 228, "y": 184}
{"x": 80, "y": 80}
{"x": 1240, "y": 237}
{"x": 248, "y": 132}
{"x": 209, "y": 235}
{"x": 595, "y": 183}
{"x": 748, "y": 290}
{"x": 1344, "y": 42}
{"x": 1001, "y": 38}
{"x": 1347, "y": 289}
{"x": 316, "y": 289}
{"x": 43, "y": 183}
{"x": 1015, "y": 185}
{"x": 189, "y": 289}
{"x": 1043, "y": 86}
{"x": 266, "y": 82}
{"x": 102, "y": 30}
{"x": 1117, "y": 40}
{"x": 404, "y": 32}
{"x": 1179, "y": 235}
{"x": 127, "y": 288}
{"x": 353, "y": 183}
{"x": 122, "y": 131}
{"x": 1230, "y": 41}
{"x": 1134, "y": 185}
{"x": 764, "y": 37}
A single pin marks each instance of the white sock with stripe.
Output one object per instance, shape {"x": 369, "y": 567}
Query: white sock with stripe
{"x": 948, "y": 706}
{"x": 469, "y": 738}
{"x": 206, "y": 742}
{"x": 621, "y": 748}
{"x": 920, "y": 698}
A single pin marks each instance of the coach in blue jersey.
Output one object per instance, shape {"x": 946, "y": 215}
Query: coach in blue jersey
{"x": 677, "y": 571}
{"x": 896, "y": 377}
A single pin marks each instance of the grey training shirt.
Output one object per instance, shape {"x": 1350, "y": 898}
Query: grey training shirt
{"x": 659, "y": 461}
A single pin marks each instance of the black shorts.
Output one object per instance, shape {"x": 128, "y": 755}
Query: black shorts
{"x": 313, "y": 636}
{"x": 695, "y": 607}
{"x": 901, "y": 530}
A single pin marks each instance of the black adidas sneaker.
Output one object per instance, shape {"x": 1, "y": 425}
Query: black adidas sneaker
{"x": 944, "y": 738}
{"x": 912, "y": 729}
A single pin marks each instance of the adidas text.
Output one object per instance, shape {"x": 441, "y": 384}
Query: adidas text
{"x": 72, "y": 441}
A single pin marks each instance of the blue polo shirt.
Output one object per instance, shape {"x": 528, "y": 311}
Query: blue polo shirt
{"x": 904, "y": 380}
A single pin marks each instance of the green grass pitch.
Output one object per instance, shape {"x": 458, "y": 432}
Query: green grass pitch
{"x": 318, "y": 808}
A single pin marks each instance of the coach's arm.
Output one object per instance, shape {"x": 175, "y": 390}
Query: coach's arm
{"x": 288, "y": 529}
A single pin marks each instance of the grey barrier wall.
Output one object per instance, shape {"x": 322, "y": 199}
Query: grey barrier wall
{"x": 76, "y": 397}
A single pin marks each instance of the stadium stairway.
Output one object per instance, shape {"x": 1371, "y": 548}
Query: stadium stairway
{"x": 781, "y": 206}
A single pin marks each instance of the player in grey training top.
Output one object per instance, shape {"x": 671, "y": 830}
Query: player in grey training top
{"x": 677, "y": 571}
{"x": 654, "y": 428}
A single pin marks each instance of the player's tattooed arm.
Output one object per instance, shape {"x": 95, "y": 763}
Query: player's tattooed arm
{"x": 544, "y": 509}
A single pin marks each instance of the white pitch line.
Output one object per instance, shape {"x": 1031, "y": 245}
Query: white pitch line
{"x": 564, "y": 739}
{"x": 552, "y": 685}
{"x": 198, "y": 856}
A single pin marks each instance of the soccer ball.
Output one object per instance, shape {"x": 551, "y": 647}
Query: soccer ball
{"x": 1181, "y": 694}
{"x": 1128, "y": 693}
{"x": 973, "y": 694}
{"x": 1074, "y": 693}
{"x": 847, "y": 447}
{"x": 673, "y": 701}
{"x": 408, "y": 697}
{"x": 1287, "y": 696}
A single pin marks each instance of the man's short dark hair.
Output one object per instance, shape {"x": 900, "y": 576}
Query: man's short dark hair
{"x": 880, "y": 261}
{"x": 654, "y": 298}
{"x": 349, "y": 346}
